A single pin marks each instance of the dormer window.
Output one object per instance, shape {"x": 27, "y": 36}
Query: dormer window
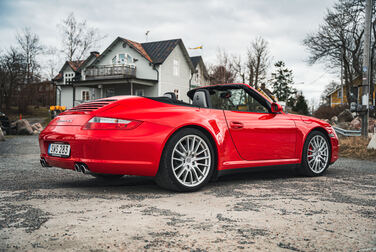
{"x": 122, "y": 59}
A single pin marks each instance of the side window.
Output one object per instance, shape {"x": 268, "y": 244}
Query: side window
{"x": 122, "y": 58}
{"x": 236, "y": 100}
{"x": 176, "y": 68}
{"x": 85, "y": 95}
{"x": 114, "y": 60}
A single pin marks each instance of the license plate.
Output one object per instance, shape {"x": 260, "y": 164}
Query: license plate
{"x": 59, "y": 150}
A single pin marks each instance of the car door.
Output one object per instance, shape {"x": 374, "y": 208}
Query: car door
{"x": 257, "y": 133}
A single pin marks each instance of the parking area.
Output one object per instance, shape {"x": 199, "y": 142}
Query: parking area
{"x": 56, "y": 209}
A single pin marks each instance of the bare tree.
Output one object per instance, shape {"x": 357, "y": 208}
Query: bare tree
{"x": 224, "y": 71}
{"x": 77, "y": 38}
{"x": 30, "y": 48}
{"x": 339, "y": 41}
{"x": 52, "y": 63}
{"x": 258, "y": 61}
{"x": 239, "y": 67}
{"x": 12, "y": 65}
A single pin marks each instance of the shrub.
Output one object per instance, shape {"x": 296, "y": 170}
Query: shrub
{"x": 327, "y": 112}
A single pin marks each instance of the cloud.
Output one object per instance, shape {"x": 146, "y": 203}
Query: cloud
{"x": 229, "y": 25}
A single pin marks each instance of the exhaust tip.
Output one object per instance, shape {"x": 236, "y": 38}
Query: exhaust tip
{"x": 44, "y": 163}
{"x": 84, "y": 169}
{"x": 77, "y": 167}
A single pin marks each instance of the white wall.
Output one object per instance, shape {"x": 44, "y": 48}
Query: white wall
{"x": 143, "y": 69}
{"x": 67, "y": 97}
{"x": 168, "y": 81}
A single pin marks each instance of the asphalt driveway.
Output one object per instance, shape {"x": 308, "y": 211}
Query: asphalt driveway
{"x": 55, "y": 209}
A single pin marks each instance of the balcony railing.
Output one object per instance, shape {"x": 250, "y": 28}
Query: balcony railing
{"x": 103, "y": 72}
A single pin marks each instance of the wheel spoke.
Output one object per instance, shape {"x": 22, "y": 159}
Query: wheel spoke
{"x": 201, "y": 158}
{"x": 191, "y": 176}
{"x": 177, "y": 167}
{"x": 182, "y": 146}
{"x": 181, "y": 154}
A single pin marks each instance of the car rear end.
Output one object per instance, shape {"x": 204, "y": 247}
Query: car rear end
{"x": 89, "y": 138}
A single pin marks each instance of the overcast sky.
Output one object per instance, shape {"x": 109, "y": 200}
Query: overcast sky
{"x": 229, "y": 25}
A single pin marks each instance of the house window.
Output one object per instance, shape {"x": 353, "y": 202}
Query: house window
{"x": 114, "y": 60}
{"x": 110, "y": 92}
{"x": 176, "y": 68}
{"x": 122, "y": 58}
{"x": 129, "y": 59}
{"x": 85, "y": 95}
{"x": 176, "y": 92}
{"x": 140, "y": 92}
{"x": 339, "y": 93}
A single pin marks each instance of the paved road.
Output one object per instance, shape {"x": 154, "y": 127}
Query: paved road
{"x": 54, "y": 209}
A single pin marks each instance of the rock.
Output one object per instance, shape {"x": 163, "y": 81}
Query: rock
{"x": 372, "y": 143}
{"x": 371, "y": 125}
{"x": 355, "y": 124}
{"x": 334, "y": 120}
{"x": 345, "y": 116}
{"x": 23, "y": 127}
{"x": 37, "y": 128}
{"x": 2, "y": 138}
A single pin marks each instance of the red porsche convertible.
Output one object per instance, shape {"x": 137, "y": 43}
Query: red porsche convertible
{"x": 227, "y": 128}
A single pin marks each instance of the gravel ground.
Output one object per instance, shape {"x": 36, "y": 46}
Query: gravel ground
{"x": 55, "y": 209}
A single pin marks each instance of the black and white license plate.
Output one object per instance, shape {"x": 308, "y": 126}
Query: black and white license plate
{"x": 59, "y": 150}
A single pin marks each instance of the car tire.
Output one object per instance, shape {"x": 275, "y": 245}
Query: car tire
{"x": 187, "y": 162}
{"x": 104, "y": 176}
{"x": 316, "y": 155}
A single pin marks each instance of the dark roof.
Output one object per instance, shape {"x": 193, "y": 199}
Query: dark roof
{"x": 159, "y": 50}
{"x": 195, "y": 60}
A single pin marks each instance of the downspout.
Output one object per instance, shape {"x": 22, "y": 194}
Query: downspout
{"x": 155, "y": 68}
{"x": 58, "y": 88}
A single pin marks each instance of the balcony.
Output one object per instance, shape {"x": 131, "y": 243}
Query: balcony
{"x": 110, "y": 72}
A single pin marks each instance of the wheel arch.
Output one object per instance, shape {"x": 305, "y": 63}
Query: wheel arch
{"x": 205, "y": 131}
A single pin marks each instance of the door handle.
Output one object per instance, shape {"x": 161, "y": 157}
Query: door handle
{"x": 236, "y": 125}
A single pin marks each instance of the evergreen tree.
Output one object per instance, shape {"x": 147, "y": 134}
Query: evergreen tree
{"x": 301, "y": 106}
{"x": 281, "y": 82}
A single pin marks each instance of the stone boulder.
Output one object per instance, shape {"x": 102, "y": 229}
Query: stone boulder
{"x": 37, "y": 128}
{"x": 356, "y": 124}
{"x": 334, "y": 120}
{"x": 372, "y": 143}
{"x": 2, "y": 138}
{"x": 345, "y": 116}
{"x": 23, "y": 127}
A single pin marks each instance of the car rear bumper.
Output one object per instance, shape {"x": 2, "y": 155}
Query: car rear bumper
{"x": 128, "y": 152}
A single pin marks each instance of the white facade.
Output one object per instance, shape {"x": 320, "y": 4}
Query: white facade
{"x": 172, "y": 75}
{"x": 175, "y": 75}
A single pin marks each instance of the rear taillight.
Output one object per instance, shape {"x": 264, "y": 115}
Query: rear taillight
{"x": 106, "y": 123}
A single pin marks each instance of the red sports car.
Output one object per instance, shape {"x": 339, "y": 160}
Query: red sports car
{"x": 227, "y": 128}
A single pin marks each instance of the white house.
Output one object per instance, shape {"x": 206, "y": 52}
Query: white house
{"x": 129, "y": 68}
{"x": 200, "y": 75}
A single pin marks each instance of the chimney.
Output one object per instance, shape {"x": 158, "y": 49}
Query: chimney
{"x": 95, "y": 53}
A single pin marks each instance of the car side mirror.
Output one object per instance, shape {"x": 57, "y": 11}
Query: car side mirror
{"x": 276, "y": 108}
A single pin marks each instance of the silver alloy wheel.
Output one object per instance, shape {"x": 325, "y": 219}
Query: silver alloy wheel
{"x": 318, "y": 154}
{"x": 191, "y": 160}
